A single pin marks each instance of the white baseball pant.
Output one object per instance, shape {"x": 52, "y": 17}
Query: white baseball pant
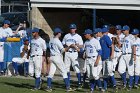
{"x": 92, "y": 72}
{"x": 126, "y": 61}
{"x": 35, "y": 66}
{"x": 57, "y": 62}
{"x": 72, "y": 58}
{"x": 31, "y": 67}
{"x": 107, "y": 68}
{"x": 137, "y": 66}
{"x": 20, "y": 60}
{"x": 116, "y": 59}
{"x": 1, "y": 52}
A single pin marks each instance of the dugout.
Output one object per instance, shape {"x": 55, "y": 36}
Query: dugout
{"x": 48, "y": 14}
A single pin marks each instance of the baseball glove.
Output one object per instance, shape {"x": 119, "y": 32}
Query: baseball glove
{"x": 25, "y": 48}
{"x": 115, "y": 41}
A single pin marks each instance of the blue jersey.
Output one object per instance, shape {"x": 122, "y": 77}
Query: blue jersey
{"x": 105, "y": 45}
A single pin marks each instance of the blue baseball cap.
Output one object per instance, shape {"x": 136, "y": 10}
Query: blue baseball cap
{"x": 106, "y": 26}
{"x": 97, "y": 30}
{"x": 73, "y": 26}
{"x": 6, "y": 22}
{"x": 35, "y": 29}
{"x": 104, "y": 30}
{"x": 88, "y": 31}
{"x": 126, "y": 27}
{"x": 118, "y": 27}
{"x": 135, "y": 31}
{"x": 25, "y": 39}
{"x": 57, "y": 30}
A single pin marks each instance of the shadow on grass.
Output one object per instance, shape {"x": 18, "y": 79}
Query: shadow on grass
{"x": 22, "y": 85}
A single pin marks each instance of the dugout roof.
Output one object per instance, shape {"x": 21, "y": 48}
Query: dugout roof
{"x": 89, "y": 4}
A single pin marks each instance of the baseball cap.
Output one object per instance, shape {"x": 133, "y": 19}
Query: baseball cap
{"x": 73, "y": 26}
{"x": 35, "y": 29}
{"x": 126, "y": 27}
{"x": 104, "y": 30}
{"x": 118, "y": 27}
{"x": 6, "y": 22}
{"x": 97, "y": 30}
{"x": 57, "y": 30}
{"x": 25, "y": 39}
{"x": 88, "y": 31}
{"x": 135, "y": 31}
{"x": 106, "y": 26}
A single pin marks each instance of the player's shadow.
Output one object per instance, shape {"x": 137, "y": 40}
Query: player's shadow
{"x": 22, "y": 85}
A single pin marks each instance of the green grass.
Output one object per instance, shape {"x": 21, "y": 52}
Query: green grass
{"x": 17, "y": 85}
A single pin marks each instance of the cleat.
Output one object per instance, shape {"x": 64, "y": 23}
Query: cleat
{"x": 124, "y": 87}
{"x": 100, "y": 89}
{"x": 136, "y": 86}
{"x": 91, "y": 90}
{"x": 16, "y": 74}
{"x": 26, "y": 75}
{"x": 70, "y": 89}
{"x": 129, "y": 89}
{"x": 103, "y": 90}
{"x": 48, "y": 89}
{"x": 80, "y": 86}
{"x": 34, "y": 89}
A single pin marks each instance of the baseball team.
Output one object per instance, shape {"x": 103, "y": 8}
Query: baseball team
{"x": 103, "y": 54}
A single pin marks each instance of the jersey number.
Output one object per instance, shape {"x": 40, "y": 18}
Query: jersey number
{"x": 91, "y": 51}
{"x": 51, "y": 46}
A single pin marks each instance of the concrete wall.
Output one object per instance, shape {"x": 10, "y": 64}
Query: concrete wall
{"x": 38, "y": 20}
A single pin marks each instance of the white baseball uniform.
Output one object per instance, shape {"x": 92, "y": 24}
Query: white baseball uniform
{"x": 24, "y": 58}
{"x": 110, "y": 35}
{"x": 100, "y": 64}
{"x": 91, "y": 48}
{"x": 71, "y": 57}
{"x": 37, "y": 47}
{"x": 121, "y": 37}
{"x": 4, "y": 33}
{"x": 126, "y": 58}
{"x": 117, "y": 51}
{"x": 56, "y": 58}
{"x": 22, "y": 33}
{"x": 137, "y": 62}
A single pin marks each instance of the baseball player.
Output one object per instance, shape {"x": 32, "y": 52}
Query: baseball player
{"x": 126, "y": 60}
{"x": 5, "y": 31}
{"x": 97, "y": 32}
{"x": 117, "y": 42}
{"x": 72, "y": 54}
{"x": 21, "y": 30}
{"x": 56, "y": 58}
{"x": 92, "y": 57}
{"x": 107, "y": 56}
{"x": 24, "y": 53}
{"x": 107, "y": 31}
{"x": 38, "y": 49}
{"x": 136, "y": 55}
{"x": 119, "y": 33}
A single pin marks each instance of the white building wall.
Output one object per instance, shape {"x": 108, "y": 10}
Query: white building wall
{"x": 91, "y": 4}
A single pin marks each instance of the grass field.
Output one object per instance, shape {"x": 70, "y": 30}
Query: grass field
{"x": 18, "y": 85}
